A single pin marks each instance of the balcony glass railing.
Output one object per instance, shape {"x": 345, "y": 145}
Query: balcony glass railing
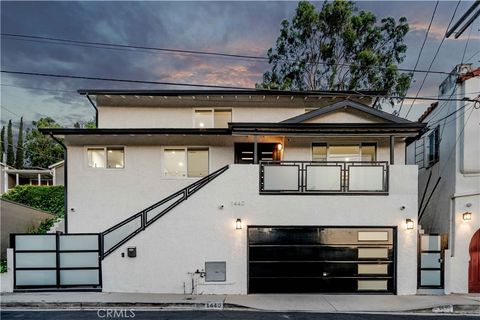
{"x": 314, "y": 177}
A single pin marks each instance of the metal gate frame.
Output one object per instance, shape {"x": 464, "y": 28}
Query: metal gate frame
{"x": 443, "y": 246}
{"x": 57, "y": 268}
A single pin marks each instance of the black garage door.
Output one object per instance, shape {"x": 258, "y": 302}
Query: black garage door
{"x": 318, "y": 259}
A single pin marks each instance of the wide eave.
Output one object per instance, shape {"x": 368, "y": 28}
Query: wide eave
{"x": 251, "y": 128}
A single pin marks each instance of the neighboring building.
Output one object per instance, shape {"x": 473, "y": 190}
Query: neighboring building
{"x": 316, "y": 197}
{"x": 5, "y": 180}
{"x": 11, "y": 177}
{"x": 448, "y": 156}
{"x": 58, "y": 173}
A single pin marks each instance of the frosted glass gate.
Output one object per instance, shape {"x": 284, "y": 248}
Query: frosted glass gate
{"x": 56, "y": 260}
{"x": 431, "y": 261}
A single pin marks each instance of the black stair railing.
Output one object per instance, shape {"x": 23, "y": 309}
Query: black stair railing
{"x": 114, "y": 237}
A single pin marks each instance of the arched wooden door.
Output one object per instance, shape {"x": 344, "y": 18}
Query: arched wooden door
{"x": 474, "y": 264}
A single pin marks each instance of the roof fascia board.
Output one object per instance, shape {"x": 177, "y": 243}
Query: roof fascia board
{"x": 345, "y": 104}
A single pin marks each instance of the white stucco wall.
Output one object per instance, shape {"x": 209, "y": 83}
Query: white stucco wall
{"x": 462, "y": 233}
{"x": 107, "y": 196}
{"x": 198, "y": 230}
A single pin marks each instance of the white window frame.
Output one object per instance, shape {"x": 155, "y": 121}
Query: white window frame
{"x": 185, "y": 149}
{"x": 105, "y": 150}
{"x": 328, "y": 144}
{"x": 212, "y": 110}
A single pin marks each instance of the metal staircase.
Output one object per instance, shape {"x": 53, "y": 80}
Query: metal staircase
{"x": 114, "y": 237}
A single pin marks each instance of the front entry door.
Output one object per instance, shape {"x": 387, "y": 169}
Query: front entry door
{"x": 431, "y": 257}
{"x": 244, "y": 152}
{"x": 474, "y": 264}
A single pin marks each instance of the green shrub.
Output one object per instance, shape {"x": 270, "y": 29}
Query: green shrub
{"x": 3, "y": 266}
{"x": 46, "y": 198}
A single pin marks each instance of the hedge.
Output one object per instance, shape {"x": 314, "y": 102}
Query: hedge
{"x": 46, "y": 198}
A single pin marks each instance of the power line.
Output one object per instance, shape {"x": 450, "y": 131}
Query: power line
{"x": 456, "y": 83}
{"x": 473, "y": 56}
{"x": 433, "y": 59}
{"x": 8, "y": 110}
{"x": 208, "y": 85}
{"x": 177, "y": 51}
{"x": 32, "y": 88}
{"x": 421, "y": 48}
{"x": 74, "y": 91}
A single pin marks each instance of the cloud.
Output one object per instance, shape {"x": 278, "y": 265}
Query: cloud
{"x": 247, "y": 28}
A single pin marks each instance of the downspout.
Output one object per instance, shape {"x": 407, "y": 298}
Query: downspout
{"x": 65, "y": 174}
{"x": 96, "y": 110}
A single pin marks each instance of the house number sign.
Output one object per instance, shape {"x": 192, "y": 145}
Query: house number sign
{"x": 214, "y": 305}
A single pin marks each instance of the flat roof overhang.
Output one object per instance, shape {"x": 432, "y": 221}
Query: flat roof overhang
{"x": 247, "y": 92}
{"x": 134, "y": 131}
{"x": 322, "y": 129}
{"x": 234, "y": 129}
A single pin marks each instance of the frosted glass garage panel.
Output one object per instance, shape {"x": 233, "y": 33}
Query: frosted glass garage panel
{"x": 365, "y": 178}
{"x": 372, "y": 253}
{"x": 79, "y": 277}
{"x": 38, "y": 242}
{"x": 35, "y": 260}
{"x": 78, "y": 259}
{"x": 372, "y": 285}
{"x": 36, "y": 277}
{"x": 79, "y": 242}
{"x": 284, "y": 178}
{"x": 115, "y": 236}
{"x": 321, "y": 178}
{"x": 372, "y": 269}
{"x": 157, "y": 210}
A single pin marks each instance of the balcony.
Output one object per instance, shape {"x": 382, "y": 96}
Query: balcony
{"x": 316, "y": 178}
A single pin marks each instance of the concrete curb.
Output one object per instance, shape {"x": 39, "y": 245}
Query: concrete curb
{"x": 129, "y": 305}
{"x": 443, "y": 309}
{"x": 451, "y": 309}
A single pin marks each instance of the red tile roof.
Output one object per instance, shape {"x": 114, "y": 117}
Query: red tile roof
{"x": 428, "y": 111}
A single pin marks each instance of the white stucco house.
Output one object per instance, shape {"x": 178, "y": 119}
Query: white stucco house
{"x": 237, "y": 192}
{"x": 448, "y": 156}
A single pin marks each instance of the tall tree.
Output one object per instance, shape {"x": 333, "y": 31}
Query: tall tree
{"x": 41, "y": 150}
{"x": 3, "y": 144}
{"x": 20, "y": 156}
{"x": 338, "y": 48}
{"x": 10, "y": 152}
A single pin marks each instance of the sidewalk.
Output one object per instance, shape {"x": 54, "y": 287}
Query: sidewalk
{"x": 264, "y": 302}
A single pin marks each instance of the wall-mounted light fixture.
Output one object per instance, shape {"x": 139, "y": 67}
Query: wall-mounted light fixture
{"x": 279, "y": 147}
{"x": 238, "y": 224}
{"x": 467, "y": 216}
{"x": 410, "y": 224}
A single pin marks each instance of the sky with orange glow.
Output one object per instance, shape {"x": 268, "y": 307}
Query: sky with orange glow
{"x": 232, "y": 27}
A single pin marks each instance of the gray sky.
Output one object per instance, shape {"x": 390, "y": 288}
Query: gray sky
{"x": 232, "y": 27}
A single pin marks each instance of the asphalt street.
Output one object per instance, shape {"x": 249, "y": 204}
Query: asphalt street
{"x": 132, "y": 314}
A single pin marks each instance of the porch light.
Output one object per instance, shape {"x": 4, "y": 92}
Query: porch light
{"x": 467, "y": 216}
{"x": 409, "y": 223}
{"x": 238, "y": 224}
{"x": 279, "y": 147}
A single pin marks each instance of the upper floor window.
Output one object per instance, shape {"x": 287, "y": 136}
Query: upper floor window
{"x": 433, "y": 146}
{"x": 212, "y": 118}
{"x": 186, "y": 162}
{"x": 344, "y": 152}
{"x": 106, "y": 157}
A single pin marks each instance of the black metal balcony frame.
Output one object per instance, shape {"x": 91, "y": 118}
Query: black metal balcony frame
{"x": 344, "y": 166}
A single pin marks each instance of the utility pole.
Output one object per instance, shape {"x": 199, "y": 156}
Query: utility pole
{"x": 462, "y": 19}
